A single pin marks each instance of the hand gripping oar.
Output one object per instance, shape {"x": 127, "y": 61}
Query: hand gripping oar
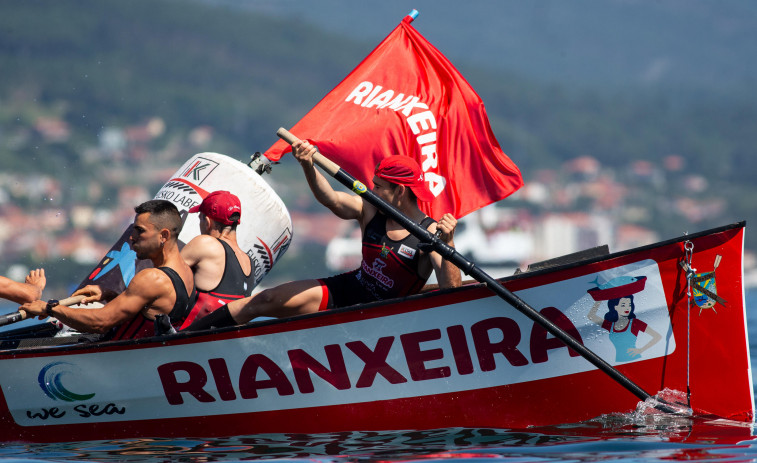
{"x": 470, "y": 268}
{"x": 21, "y": 314}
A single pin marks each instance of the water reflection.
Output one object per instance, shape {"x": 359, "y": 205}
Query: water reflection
{"x": 646, "y": 435}
{"x": 630, "y": 437}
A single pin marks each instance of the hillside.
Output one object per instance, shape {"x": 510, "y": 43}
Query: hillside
{"x": 119, "y": 61}
{"x": 97, "y": 65}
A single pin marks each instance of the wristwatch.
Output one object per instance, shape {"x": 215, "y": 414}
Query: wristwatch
{"x": 49, "y": 308}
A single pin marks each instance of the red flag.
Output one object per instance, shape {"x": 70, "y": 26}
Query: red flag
{"x": 406, "y": 98}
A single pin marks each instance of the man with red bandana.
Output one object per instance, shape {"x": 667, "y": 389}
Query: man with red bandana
{"x": 393, "y": 265}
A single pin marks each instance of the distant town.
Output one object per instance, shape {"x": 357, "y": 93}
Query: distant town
{"x": 561, "y": 210}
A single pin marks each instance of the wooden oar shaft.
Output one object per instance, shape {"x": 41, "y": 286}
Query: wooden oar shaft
{"x": 470, "y": 268}
{"x": 21, "y": 314}
{"x": 69, "y": 301}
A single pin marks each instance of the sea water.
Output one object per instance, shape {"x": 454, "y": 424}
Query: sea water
{"x": 642, "y": 436}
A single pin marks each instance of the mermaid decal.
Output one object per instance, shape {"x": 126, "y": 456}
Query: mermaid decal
{"x": 620, "y": 320}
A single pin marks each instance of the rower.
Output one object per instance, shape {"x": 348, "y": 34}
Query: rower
{"x": 394, "y": 265}
{"x": 223, "y": 272}
{"x": 165, "y": 289}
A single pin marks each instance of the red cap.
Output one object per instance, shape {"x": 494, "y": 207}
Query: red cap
{"x": 220, "y": 206}
{"x": 403, "y": 170}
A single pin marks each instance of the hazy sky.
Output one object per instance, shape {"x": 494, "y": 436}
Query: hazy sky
{"x": 597, "y": 42}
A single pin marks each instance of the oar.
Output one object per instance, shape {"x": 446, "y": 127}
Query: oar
{"x": 21, "y": 314}
{"x": 470, "y": 268}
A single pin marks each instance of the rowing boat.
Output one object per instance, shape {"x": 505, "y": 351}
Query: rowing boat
{"x": 445, "y": 358}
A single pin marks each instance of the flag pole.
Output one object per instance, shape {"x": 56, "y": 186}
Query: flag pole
{"x": 469, "y": 268}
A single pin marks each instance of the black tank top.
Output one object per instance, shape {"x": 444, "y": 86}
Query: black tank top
{"x": 234, "y": 284}
{"x": 390, "y": 268}
{"x": 141, "y": 327}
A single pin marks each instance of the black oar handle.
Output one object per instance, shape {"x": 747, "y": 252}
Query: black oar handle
{"x": 21, "y": 314}
{"x": 12, "y": 318}
{"x": 470, "y": 268}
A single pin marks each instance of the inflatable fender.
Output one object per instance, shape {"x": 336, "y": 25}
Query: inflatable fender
{"x": 264, "y": 231}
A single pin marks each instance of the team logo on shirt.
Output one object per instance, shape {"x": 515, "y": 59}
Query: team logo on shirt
{"x": 384, "y": 250}
{"x": 406, "y": 251}
{"x": 377, "y": 272}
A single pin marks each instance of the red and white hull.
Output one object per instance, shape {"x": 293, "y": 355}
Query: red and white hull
{"x": 455, "y": 358}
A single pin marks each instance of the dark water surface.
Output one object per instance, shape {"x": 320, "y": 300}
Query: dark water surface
{"x": 621, "y": 438}
{"x": 644, "y": 436}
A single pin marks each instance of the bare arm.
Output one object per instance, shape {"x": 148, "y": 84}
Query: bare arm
{"x": 29, "y": 291}
{"x": 447, "y": 274}
{"x": 192, "y": 252}
{"x": 343, "y": 205}
{"x": 142, "y": 292}
{"x": 206, "y": 257}
{"x": 95, "y": 293}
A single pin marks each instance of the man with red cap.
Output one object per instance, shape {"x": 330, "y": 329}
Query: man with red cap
{"x": 393, "y": 265}
{"x": 222, "y": 271}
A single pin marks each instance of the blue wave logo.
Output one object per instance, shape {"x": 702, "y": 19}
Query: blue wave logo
{"x": 50, "y": 380}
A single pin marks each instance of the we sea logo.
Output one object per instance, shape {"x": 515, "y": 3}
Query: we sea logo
{"x": 63, "y": 381}
{"x": 51, "y": 378}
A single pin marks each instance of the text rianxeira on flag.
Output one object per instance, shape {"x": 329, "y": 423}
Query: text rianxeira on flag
{"x": 421, "y": 122}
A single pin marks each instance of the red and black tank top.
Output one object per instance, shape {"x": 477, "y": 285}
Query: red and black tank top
{"x": 390, "y": 268}
{"x": 234, "y": 285}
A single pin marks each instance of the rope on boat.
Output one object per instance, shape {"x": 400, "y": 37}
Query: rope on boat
{"x": 691, "y": 272}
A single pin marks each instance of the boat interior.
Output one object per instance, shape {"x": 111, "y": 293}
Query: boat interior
{"x": 46, "y": 335}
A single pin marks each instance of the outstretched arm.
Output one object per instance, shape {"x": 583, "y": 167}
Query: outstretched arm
{"x": 29, "y": 291}
{"x": 343, "y": 205}
{"x": 144, "y": 289}
{"x": 447, "y": 274}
